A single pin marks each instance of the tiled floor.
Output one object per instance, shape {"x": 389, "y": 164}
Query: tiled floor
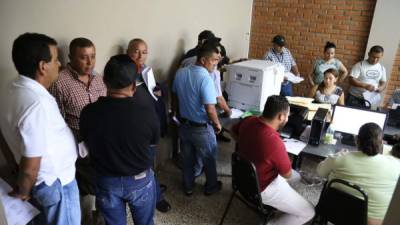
{"x": 203, "y": 210}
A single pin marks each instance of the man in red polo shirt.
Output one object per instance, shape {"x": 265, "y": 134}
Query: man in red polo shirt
{"x": 259, "y": 142}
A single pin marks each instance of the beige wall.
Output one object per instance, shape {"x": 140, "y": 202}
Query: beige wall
{"x": 169, "y": 26}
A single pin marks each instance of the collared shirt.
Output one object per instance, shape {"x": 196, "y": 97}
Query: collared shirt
{"x": 72, "y": 94}
{"x": 33, "y": 127}
{"x": 285, "y": 58}
{"x": 261, "y": 144}
{"x": 215, "y": 75}
{"x": 194, "y": 88}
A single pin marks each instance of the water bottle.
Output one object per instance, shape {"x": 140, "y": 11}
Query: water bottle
{"x": 329, "y": 135}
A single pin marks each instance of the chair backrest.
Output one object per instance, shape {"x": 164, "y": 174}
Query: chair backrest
{"x": 340, "y": 207}
{"x": 245, "y": 180}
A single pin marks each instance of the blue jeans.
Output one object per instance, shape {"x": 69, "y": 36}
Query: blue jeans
{"x": 198, "y": 141}
{"x": 286, "y": 88}
{"x": 139, "y": 192}
{"x": 59, "y": 205}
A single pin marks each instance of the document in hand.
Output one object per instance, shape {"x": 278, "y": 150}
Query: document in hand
{"x": 148, "y": 77}
{"x": 293, "y": 78}
{"x": 236, "y": 113}
{"x": 373, "y": 97}
{"x": 17, "y": 212}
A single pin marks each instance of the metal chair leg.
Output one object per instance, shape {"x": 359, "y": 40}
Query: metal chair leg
{"x": 227, "y": 208}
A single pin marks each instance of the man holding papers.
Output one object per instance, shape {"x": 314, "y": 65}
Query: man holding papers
{"x": 259, "y": 142}
{"x": 40, "y": 140}
{"x": 279, "y": 53}
{"x": 367, "y": 79}
{"x": 150, "y": 94}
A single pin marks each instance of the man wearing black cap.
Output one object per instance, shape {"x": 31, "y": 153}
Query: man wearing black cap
{"x": 118, "y": 130}
{"x": 278, "y": 53}
{"x": 203, "y": 36}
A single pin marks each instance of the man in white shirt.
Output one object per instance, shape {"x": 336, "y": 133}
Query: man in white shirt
{"x": 41, "y": 142}
{"x": 367, "y": 75}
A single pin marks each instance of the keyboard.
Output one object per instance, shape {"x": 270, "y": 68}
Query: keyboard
{"x": 348, "y": 139}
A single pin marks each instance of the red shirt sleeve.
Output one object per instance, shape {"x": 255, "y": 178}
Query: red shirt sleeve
{"x": 280, "y": 157}
{"x": 235, "y": 128}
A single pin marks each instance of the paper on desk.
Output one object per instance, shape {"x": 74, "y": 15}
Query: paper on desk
{"x": 148, "y": 77}
{"x": 293, "y": 78}
{"x": 302, "y": 101}
{"x": 373, "y": 97}
{"x": 17, "y": 212}
{"x": 294, "y": 146}
{"x": 236, "y": 113}
{"x": 316, "y": 106}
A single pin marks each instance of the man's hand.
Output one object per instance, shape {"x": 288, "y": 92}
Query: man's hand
{"x": 15, "y": 194}
{"x": 369, "y": 87}
{"x": 227, "y": 113}
{"x": 217, "y": 128}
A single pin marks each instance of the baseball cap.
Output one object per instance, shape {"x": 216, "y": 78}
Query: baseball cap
{"x": 119, "y": 72}
{"x": 207, "y": 35}
{"x": 279, "y": 40}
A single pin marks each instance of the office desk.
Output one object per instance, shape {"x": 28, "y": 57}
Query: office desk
{"x": 323, "y": 150}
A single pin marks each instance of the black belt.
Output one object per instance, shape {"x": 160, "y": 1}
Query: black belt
{"x": 192, "y": 123}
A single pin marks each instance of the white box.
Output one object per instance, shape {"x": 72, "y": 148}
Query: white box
{"x": 251, "y": 82}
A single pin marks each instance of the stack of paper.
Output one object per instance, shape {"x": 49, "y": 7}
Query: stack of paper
{"x": 148, "y": 77}
{"x": 293, "y": 78}
{"x": 236, "y": 113}
{"x": 294, "y": 146}
{"x": 17, "y": 212}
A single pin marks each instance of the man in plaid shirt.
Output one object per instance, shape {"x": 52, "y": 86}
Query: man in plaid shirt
{"x": 279, "y": 53}
{"x": 78, "y": 85}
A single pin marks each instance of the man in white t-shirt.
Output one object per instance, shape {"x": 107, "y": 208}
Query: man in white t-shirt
{"x": 40, "y": 140}
{"x": 367, "y": 75}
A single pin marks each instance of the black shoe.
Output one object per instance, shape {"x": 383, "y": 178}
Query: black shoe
{"x": 163, "y": 206}
{"x": 217, "y": 189}
{"x": 222, "y": 138}
{"x": 163, "y": 188}
{"x": 188, "y": 192}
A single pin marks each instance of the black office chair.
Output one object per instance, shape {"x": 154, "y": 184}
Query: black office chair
{"x": 245, "y": 180}
{"x": 358, "y": 102}
{"x": 339, "y": 207}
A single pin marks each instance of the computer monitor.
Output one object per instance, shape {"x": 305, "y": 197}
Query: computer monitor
{"x": 348, "y": 120}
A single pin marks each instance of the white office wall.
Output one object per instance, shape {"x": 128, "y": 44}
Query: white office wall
{"x": 170, "y": 27}
{"x": 385, "y": 31}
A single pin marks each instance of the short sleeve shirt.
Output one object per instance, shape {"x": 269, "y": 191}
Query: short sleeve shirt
{"x": 285, "y": 58}
{"x": 261, "y": 145}
{"x": 215, "y": 75}
{"x": 72, "y": 94}
{"x": 367, "y": 73}
{"x": 194, "y": 88}
{"x": 321, "y": 66}
{"x": 329, "y": 98}
{"x": 33, "y": 127}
